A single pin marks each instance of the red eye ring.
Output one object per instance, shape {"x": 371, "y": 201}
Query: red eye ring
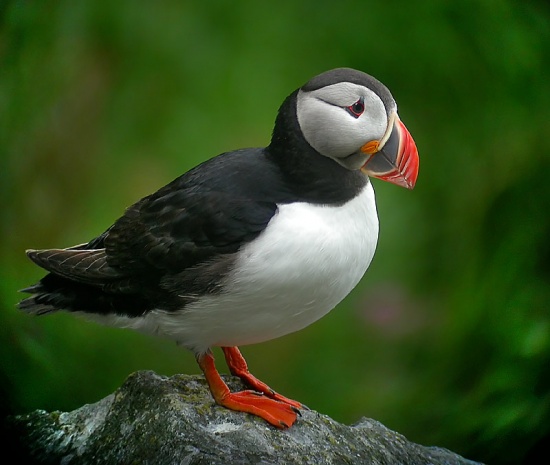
{"x": 357, "y": 109}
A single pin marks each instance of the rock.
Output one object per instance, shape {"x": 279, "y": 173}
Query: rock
{"x": 152, "y": 419}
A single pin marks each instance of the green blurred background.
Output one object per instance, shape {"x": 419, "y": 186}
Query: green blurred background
{"x": 447, "y": 338}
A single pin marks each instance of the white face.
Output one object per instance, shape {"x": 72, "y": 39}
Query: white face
{"x": 330, "y": 126}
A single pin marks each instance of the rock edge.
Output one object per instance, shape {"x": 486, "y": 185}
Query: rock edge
{"x": 153, "y": 419}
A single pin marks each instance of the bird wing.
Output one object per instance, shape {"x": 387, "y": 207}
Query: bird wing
{"x": 178, "y": 228}
{"x": 182, "y": 226}
{"x": 87, "y": 266}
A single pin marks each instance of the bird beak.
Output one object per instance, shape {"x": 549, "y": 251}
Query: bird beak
{"x": 394, "y": 158}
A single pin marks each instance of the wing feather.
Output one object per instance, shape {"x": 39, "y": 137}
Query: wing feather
{"x": 168, "y": 248}
{"x": 85, "y": 266}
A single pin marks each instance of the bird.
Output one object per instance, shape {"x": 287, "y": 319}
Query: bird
{"x": 250, "y": 245}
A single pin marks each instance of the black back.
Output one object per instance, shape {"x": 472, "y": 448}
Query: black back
{"x": 178, "y": 244}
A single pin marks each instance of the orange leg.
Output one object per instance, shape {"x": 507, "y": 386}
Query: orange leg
{"x": 277, "y": 413}
{"x": 238, "y": 367}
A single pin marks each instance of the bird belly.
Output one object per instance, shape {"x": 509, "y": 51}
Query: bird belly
{"x": 302, "y": 265}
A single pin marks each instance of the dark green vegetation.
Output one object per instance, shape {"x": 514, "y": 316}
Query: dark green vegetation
{"x": 446, "y": 340}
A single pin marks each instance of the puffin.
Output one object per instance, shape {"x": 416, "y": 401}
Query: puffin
{"x": 250, "y": 245}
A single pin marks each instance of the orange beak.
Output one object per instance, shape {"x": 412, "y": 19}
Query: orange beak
{"x": 395, "y": 157}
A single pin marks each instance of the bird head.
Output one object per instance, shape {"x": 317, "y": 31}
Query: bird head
{"x": 352, "y": 118}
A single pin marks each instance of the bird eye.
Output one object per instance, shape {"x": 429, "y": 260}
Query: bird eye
{"x": 357, "y": 109}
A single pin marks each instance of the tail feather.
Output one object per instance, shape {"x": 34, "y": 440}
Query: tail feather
{"x": 50, "y": 294}
{"x": 81, "y": 280}
{"x": 34, "y": 289}
{"x": 54, "y": 292}
{"x": 31, "y": 306}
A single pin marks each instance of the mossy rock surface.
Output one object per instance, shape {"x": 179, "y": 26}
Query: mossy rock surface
{"x": 153, "y": 419}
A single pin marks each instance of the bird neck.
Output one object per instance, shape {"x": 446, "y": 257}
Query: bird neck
{"x": 316, "y": 178}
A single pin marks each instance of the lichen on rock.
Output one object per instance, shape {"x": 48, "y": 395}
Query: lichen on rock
{"x": 153, "y": 419}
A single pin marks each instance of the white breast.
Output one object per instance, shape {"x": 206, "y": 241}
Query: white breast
{"x": 305, "y": 262}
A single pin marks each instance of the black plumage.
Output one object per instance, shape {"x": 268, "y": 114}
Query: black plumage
{"x": 250, "y": 245}
{"x": 179, "y": 243}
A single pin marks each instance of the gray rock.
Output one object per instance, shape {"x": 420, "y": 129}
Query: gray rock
{"x": 152, "y": 419}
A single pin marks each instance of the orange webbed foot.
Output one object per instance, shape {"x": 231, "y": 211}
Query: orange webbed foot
{"x": 238, "y": 367}
{"x": 277, "y": 413}
{"x": 267, "y": 404}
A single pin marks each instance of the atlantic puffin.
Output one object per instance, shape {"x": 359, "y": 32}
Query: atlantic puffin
{"x": 250, "y": 245}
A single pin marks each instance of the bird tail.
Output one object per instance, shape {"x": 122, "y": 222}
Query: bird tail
{"x": 42, "y": 301}
{"x": 78, "y": 280}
